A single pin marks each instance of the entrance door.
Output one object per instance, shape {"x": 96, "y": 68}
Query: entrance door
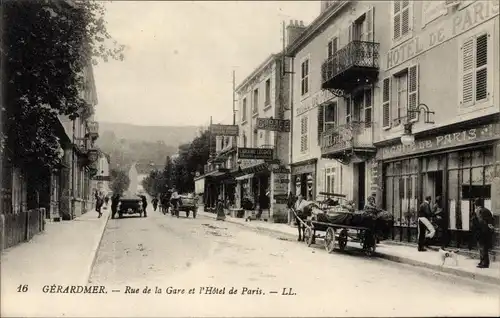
{"x": 361, "y": 185}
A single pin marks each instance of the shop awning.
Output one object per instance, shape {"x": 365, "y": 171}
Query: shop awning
{"x": 244, "y": 177}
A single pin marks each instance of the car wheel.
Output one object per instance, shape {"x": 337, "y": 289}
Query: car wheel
{"x": 120, "y": 215}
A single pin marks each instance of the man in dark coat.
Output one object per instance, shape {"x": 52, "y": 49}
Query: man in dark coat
{"x": 114, "y": 204}
{"x": 424, "y": 212}
{"x": 144, "y": 204}
{"x": 484, "y": 228}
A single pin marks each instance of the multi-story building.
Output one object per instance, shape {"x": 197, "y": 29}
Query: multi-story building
{"x": 439, "y": 112}
{"x": 262, "y": 185}
{"x": 406, "y": 106}
{"x": 100, "y": 180}
{"x": 335, "y": 67}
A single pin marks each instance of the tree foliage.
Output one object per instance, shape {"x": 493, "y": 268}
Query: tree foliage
{"x": 158, "y": 182}
{"x": 46, "y": 50}
{"x": 119, "y": 181}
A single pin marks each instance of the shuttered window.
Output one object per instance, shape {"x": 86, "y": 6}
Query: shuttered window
{"x": 368, "y": 25}
{"x": 332, "y": 47}
{"x": 304, "y": 134}
{"x": 304, "y": 77}
{"x": 386, "y": 103}
{"x": 368, "y": 108}
{"x": 413, "y": 91}
{"x": 401, "y": 15}
{"x": 330, "y": 116}
{"x": 402, "y": 96}
{"x": 475, "y": 70}
{"x": 321, "y": 122}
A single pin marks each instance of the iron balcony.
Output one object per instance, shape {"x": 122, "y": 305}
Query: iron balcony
{"x": 355, "y": 64}
{"x": 355, "y": 136}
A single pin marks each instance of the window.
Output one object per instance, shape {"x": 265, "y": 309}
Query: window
{"x": 304, "y": 134}
{"x": 244, "y": 110}
{"x": 330, "y": 116}
{"x": 474, "y": 80}
{"x": 268, "y": 92}
{"x": 330, "y": 180}
{"x": 368, "y": 108}
{"x": 256, "y": 101}
{"x": 386, "y": 103}
{"x": 402, "y": 95}
{"x": 401, "y": 13}
{"x": 304, "y": 77}
{"x": 255, "y": 138}
{"x": 348, "y": 110}
{"x": 332, "y": 47}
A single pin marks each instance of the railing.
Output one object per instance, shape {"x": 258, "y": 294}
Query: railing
{"x": 342, "y": 137}
{"x": 356, "y": 53}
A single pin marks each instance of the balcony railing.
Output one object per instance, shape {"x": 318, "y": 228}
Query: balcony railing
{"x": 93, "y": 129}
{"x": 349, "y": 136}
{"x": 350, "y": 63}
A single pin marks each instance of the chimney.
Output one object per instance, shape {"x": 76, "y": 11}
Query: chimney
{"x": 294, "y": 30}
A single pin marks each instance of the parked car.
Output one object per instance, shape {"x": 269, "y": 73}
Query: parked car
{"x": 130, "y": 204}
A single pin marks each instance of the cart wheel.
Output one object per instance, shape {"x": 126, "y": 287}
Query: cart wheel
{"x": 342, "y": 239}
{"x": 308, "y": 233}
{"x": 194, "y": 214}
{"x": 329, "y": 239}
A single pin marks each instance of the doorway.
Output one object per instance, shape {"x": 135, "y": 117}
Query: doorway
{"x": 361, "y": 185}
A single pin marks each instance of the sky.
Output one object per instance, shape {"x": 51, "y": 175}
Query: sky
{"x": 180, "y": 56}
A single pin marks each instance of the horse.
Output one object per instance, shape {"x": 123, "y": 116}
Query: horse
{"x": 303, "y": 215}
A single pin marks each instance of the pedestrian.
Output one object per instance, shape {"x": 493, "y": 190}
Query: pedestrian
{"x": 98, "y": 204}
{"x": 144, "y": 205}
{"x": 483, "y": 226}
{"x": 438, "y": 221}
{"x": 221, "y": 216}
{"x": 106, "y": 201}
{"x": 155, "y": 203}
{"x": 115, "y": 199}
{"x": 424, "y": 214}
{"x": 174, "y": 202}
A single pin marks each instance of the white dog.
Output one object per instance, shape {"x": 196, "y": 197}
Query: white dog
{"x": 444, "y": 254}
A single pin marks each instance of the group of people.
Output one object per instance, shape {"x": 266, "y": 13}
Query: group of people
{"x": 167, "y": 200}
{"x": 481, "y": 220}
{"x": 101, "y": 201}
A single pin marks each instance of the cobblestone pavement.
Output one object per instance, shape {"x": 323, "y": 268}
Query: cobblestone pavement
{"x": 179, "y": 254}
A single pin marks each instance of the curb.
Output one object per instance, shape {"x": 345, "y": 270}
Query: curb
{"x": 397, "y": 259}
{"x": 96, "y": 249}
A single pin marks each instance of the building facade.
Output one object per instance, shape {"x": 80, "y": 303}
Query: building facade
{"x": 335, "y": 67}
{"x": 440, "y": 80}
{"x": 401, "y": 108}
{"x": 262, "y": 185}
{"x": 101, "y": 179}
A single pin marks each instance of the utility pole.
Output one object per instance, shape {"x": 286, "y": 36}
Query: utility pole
{"x": 234, "y": 97}
{"x": 210, "y": 139}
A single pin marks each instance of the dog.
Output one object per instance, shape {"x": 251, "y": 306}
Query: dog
{"x": 444, "y": 254}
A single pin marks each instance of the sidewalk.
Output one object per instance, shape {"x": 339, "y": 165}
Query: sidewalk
{"x": 396, "y": 253}
{"x": 63, "y": 254}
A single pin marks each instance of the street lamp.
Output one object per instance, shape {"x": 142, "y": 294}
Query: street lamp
{"x": 408, "y": 138}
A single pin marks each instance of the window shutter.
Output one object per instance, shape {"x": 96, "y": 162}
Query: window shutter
{"x": 321, "y": 122}
{"x": 481, "y": 88}
{"x": 396, "y": 19}
{"x": 369, "y": 25}
{"x": 405, "y": 17}
{"x": 467, "y": 72}
{"x": 386, "y": 103}
{"x": 413, "y": 84}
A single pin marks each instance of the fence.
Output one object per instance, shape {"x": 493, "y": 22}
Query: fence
{"x": 20, "y": 227}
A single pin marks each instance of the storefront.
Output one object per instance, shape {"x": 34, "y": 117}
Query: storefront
{"x": 454, "y": 167}
{"x": 304, "y": 179}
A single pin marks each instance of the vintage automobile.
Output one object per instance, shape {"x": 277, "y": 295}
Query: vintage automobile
{"x": 130, "y": 203}
{"x": 187, "y": 203}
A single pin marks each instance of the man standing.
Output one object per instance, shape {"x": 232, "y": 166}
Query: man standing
{"x": 424, "y": 213}
{"x": 115, "y": 199}
{"x": 144, "y": 204}
{"x": 484, "y": 230}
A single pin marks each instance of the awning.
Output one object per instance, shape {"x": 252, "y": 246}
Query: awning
{"x": 247, "y": 176}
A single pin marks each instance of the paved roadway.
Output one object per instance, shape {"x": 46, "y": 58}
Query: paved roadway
{"x": 191, "y": 253}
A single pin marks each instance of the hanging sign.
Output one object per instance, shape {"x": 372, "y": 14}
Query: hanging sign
{"x": 280, "y": 125}
{"x": 224, "y": 130}
{"x": 255, "y": 153}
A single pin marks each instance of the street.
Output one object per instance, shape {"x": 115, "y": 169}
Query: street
{"x": 180, "y": 254}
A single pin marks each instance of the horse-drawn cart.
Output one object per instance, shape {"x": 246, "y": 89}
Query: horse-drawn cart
{"x": 338, "y": 224}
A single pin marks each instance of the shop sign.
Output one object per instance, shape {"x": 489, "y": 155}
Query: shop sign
{"x": 307, "y": 168}
{"x": 281, "y": 169}
{"x": 224, "y": 130}
{"x": 461, "y": 138}
{"x": 255, "y": 153}
{"x": 247, "y": 163}
{"x": 280, "y": 125}
{"x": 281, "y": 198}
{"x": 337, "y": 140}
{"x": 461, "y": 22}
{"x": 318, "y": 98}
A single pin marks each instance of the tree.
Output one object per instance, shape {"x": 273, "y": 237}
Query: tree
{"x": 47, "y": 47}
{"x": 119, "y": 181}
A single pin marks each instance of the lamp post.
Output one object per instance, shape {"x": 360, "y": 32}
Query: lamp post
{"x": 408, "y": 138}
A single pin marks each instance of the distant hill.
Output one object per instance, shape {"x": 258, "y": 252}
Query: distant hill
{"x": 126, "y": 144}
{"x": 170, "y": 135}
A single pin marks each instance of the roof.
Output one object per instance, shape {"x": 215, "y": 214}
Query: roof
{"x": 258, "y": 70}
{"x": 315, "y": 26}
